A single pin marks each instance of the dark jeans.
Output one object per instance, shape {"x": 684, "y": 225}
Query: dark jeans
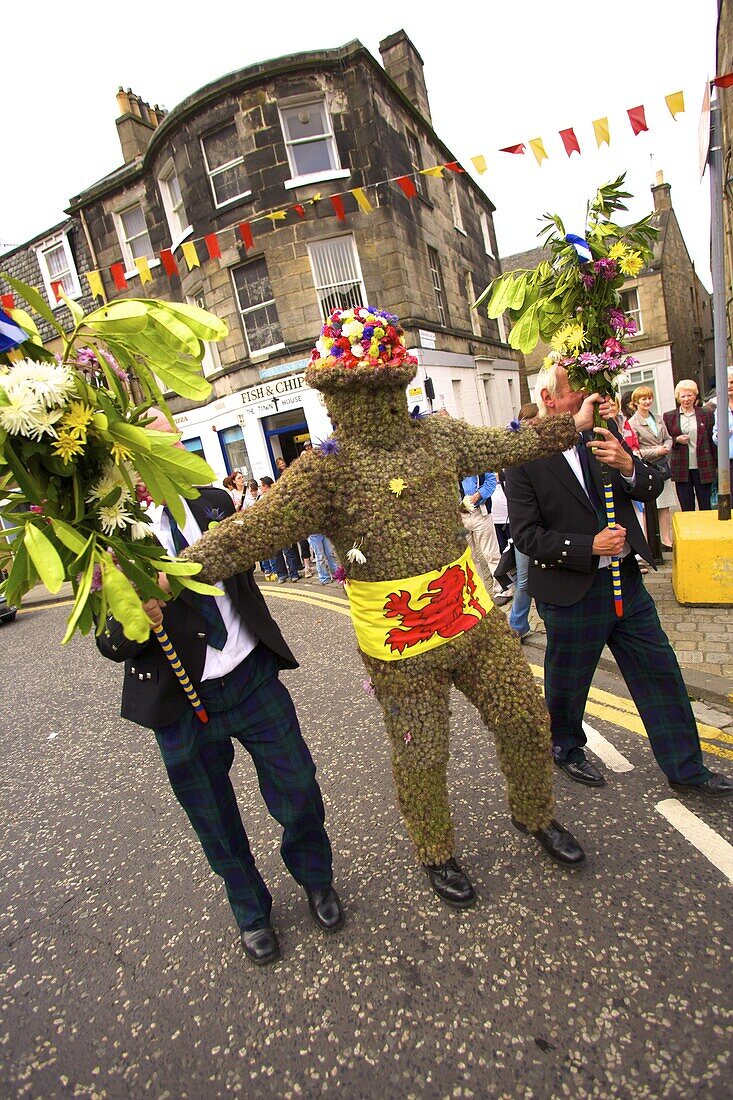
{"x": 688, "y": 490}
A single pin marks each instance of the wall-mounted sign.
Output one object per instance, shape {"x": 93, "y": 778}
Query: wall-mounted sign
{"x": 283, "y": 368}
{"x": 427, "y": 339}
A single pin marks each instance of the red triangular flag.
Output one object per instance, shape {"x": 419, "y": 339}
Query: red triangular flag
{"x": 570, "y": 141}
{"x": 637, "y": 118}
{"x": 8, "y": 301}
{"x": 212, "y": 243}
{"x": 513, "y": 149}
{"x": 169, "y": 263}
{"x": 338, "y": 206}
{"x": 408, "y": 186}
{"x": 724, "y": 81}
{"x": 57, "y": 287}
{"x": 117, "y": 271}
{"x": 454, "y": 166}
{"x": 245, "y": 232}
{"x": 299, "y": 210}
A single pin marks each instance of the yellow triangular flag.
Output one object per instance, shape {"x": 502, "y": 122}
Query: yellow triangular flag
{"x": 277, "y": 216}
{"x": 602, "y": 132}
{"x": 190, "y": 255}
{"x": 362, "y": 201}
{"x": 96, "y": 286}
{"x": 479, "y": 164}
{"x": 317, "y": 197}
{"x": 538, "y": 149}
{"x": 436, "y": 171}
{"x": 676, "y": 103}
{"x": 143, "y": 268}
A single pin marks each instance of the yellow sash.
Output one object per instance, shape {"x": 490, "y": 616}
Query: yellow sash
{"x": 398, "y": 619}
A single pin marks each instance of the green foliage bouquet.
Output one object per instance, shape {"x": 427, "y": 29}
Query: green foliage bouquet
{"x": 572, "y": 300}
{"x": 78, "y": 465}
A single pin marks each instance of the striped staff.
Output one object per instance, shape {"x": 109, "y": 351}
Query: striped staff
{"x": 180, "y": 672}
{"x": 615, "y": 566}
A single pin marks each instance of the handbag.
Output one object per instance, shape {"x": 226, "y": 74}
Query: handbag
{"x": 506, "y": 569}
{"x": 662, "y": 464}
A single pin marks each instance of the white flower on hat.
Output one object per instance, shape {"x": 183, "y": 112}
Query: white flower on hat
{"x": 357, "y": 351}
{"x": 352, "y": 328}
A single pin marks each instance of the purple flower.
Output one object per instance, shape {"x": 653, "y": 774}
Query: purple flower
{"x": 514, "y": 426}
{"x": 122, "y": 374}
{"x": 96, "y": 578}
{"x": 330, "y": 446}
{"x": 616, "y": 320}
{"x": 339, "y": 574}
{"x": 416, "y": 414}
{"x": 630, "y": 326}
{"x": 368, "y": 687}
{"x": 213, "y": 514}
{"x": 630, "y": 362}
{"x": 607, "y": 269}
{"x": 368, "y": 332}
{"x": 588, "y": 359}
{"x": 85, "y": 357}
{"x": 588, "y": 280}
{"x": 336, "y": 351}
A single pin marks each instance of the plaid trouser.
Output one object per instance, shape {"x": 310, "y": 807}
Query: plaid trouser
{"x": 576, "y": 636}
{"x": 251, "y": 704}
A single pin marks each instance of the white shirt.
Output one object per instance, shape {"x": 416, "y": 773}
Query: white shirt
{"x": 573, "y": 461}
{"x": 240, "y": 639}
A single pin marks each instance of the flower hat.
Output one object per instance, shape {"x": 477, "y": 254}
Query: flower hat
{"x": 363, "y": 347}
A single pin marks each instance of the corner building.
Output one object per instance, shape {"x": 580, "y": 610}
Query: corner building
{"x": 286, "y": 136}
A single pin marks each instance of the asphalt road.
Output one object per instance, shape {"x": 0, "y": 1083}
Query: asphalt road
{"x": 121, "y": 973}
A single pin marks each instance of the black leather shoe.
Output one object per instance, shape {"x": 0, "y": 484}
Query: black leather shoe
{"x": 500, "y": 601}
{"x": 260, "y": 945}
{"x": 717, "y": 786}
{"x": 451, "y": 884}
{"x": 557, "y": 842}
{"x": 582, "y": 771}
{"x": 325, "y": 908}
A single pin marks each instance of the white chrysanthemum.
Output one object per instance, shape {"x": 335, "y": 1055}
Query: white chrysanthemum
{"x": 138, "y": 530}
{"x": 113, "y": 517}
{"x": 357, "y": 351}
{"x": 355, "y": 554}
{"x": 18, "y": 417}
{"x": 43, "y": 423}
{"x": 50, "y": 383}
{"x": 352, "y": 329}
{"x": 111, "y": 479}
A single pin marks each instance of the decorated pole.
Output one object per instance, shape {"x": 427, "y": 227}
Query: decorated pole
{"x": 182, "y": 675}
{"x": 615, "y": 566}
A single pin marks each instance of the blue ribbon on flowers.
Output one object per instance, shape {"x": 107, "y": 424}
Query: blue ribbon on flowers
{"x": 581, "y": 247}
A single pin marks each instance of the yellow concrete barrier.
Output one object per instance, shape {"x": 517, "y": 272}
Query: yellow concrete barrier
{"x": 702, "y": 560}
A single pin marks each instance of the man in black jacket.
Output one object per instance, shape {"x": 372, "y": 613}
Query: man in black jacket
{"x": 557, "y": 519}
{"x": 232, "y": 650}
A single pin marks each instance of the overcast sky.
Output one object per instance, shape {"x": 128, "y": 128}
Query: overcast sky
{"x": 498, "y": 72}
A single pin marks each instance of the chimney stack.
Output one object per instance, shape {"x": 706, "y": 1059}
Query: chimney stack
{"x": 403, "y": 64}
{"x": 662, "y": 194}
{"x": 136, "y": 123}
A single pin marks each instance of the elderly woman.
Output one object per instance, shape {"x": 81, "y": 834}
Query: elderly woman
{"x": 655, "y": 443}
{"x": 693, "y": 457}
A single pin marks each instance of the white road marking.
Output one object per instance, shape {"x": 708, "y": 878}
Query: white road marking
{"x": 700, "y": 835}
{"x": 606, "y": 752}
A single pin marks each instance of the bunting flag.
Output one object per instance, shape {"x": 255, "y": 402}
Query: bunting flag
{"x": 117, "y": 271}
{"x": 169, "y": 263}
{"x": 57, "y": 288}
{"x": 245, "y": 232}
{"x": 96, "y": 286}
{"x": 362, "y": 201}
{"x": 212, "y": 246}
{"x": 637, "y": 118}
{"x": 190, "y": 255}
{"x": 676, "y": 103}
{"x": 570, "y": 141}
{"x": 602, "y": 132}
{"x": 724, "y": 81}
{"x": 299, "y": 210}
{"x": 338, "y": 207}
{"x": 538, "y": 149}
{"x": 514, "y": 149}
{"x": 454, "y": 166}
{"x": 277, "y": 216}
{"x": 479, "y": 164}
{"x": 436, "y": 171}
{"x": 316, "y": 198}
{"x": 7, "y": 301}
{"x": 407, "y": 186}
{"x": 143, "y": 268}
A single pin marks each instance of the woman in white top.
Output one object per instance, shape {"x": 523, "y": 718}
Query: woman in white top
{"x": 655, "y": 443}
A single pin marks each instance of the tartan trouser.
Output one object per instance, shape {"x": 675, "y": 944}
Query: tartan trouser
{"x": 251, "y": 704}
{"x": 576, "y": 636}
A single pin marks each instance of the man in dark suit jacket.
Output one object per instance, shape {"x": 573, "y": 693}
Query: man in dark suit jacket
{"x": 557, "y": 519}
{"x": 233, "y": 661}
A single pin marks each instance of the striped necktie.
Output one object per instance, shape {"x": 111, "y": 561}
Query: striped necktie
{"x": 216, "y": 631}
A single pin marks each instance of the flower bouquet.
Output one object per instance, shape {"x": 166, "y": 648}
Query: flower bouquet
{"x": 572, "y": 301}
{"x": 78, "y": 465}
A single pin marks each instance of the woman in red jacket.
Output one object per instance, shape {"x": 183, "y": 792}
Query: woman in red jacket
{"x": 693, "y": 457}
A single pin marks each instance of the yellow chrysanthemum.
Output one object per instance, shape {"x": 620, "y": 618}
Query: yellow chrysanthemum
{"x": 569, "y": 338}
{"x": 77, "y": 419}
{"x": 66, "y": 447}
{"x": 120, "y": 453}
{"x": 617, "y": 251}
{"x": 396, "y": 486}
{"x": 631, "y": 264}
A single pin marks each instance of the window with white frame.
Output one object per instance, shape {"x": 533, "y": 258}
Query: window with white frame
{"x": 225, "y": 165}
{"x": 470, "y": 299}
{"x": 438, "y": 289}
{"x": 486, "y": 234}
{"x": 257, "y": 308}
{"x": 413, "y": 148}
{"x": 57, "y": 266}
{"x": 337, "y": 274}
{"x": 630, "y": 306}
{"x": 175, "y": 211}
{"x": 132, "y": 231}
{"x": 211, "y": 362}
{"x": 309, "y": 139}
{"x": 455, "y": 206}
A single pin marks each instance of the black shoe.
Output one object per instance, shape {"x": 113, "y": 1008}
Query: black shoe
{"x": 557, "y": 842}
{"x": 717, "y": 786}
{"x": 260, "y": 945}
{"x": 325, "y": 908}
{"x": 499, "y": 601}
{"x": 667, "y": 549}
{"x": 582, "y": 771}
{"x": 451, "y": 884}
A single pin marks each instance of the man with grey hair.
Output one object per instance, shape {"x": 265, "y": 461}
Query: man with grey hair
{"x": 558, "y": 520}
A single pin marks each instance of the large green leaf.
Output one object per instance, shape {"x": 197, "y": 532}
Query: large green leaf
{"x": 184, "y": 379}
{"x": 174, "y": 331}
{"x": 70, "y": 538}
{"x": 526, "y": 332}
{"x": 205, "y": 325}
{"x": 124, "y": 602}
{"x": 45, "y": 557}
{"x": 82, "y": 595}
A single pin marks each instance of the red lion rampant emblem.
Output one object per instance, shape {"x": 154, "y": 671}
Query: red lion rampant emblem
{"x": 442, "y": 614}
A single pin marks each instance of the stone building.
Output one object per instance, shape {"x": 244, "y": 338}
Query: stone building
{"x": 671, "y": 307}
{"x": 283, "y": 137}
{"x": 725, "y": 96}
